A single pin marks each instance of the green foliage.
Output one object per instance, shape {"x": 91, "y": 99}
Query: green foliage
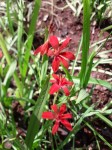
{"x": 36, "y": 115}
{"x": 85, "y": 42}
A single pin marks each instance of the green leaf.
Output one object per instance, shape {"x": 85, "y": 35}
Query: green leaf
{"x": 9, "y": 16}
{"x": 86, "y": 40}
{"x": 34, "y": 123}
{"x": 8, "y": 59}
{"x": 10, "y": 72}
{"x": 30, "y": 36}
{"x": 89, "y": 69}
{"x": 101, "y": 82}
{"x": 44, "y": 68}
{"x": 82, "y": 95}
{"x": 95, "y": 81}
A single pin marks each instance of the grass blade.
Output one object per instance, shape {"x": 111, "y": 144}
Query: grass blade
{"x": 96, "y": 82}
{"x": 86, "y": 40}
{"x": 34, "y": 124}
{"x": 44, "y": 68}
{"x": 9, "y": 16}
{"x": 8, "y": 59}
{"x": 89, "y": 69}
{"x": 30, "y": 36}
{"x": 10, "y": 72}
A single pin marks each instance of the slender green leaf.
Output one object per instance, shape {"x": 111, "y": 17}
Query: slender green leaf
{"x": 44, "y": 68}
{"x": 10, "y": 72}
{"x": 8, "y": 58}
{"x": 34, "y": 123}
{"x": 86, "y": 40}
{"x": 95, "y": 81}
{"x": 82, "y": 95}
{"x": 9, "y": 16}
{"x": 31, "y": 35}
{"x": 102, "y": 117}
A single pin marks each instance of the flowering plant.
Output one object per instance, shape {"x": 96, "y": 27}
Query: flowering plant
{"x": 45, "y": 100}
{"x": 52, "y": 48}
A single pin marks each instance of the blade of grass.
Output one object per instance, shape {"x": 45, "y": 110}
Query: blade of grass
{"x": 9, "y": 16}
{"x": 103, "y": 118}
{"x": 8, "y": 59}
{"x": 30, "y": 36}
{"x": 34, "y": 124}
{"x": 95, "y": 81}
{"x": 10, "y": 72}
{"x": 20, "y": 25}
{"x": 86, "y": 40}
{"x": 89, "y": 69}
{"x": 44, "y": 68}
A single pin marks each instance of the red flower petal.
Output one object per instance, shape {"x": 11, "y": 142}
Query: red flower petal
{"x": 55, "y": 108}
{"x": 55, "y": 64}
{"x": 62, "y": 108}
{"x": 1, "y": 54}
{"x": 55, "y": 127}
{"x": 66, "y": 82}
{"x": 66, "y": 91}
{"x": 54, "y": 41}
{"x": 38, "y": 50}
{"x": 65, "y": 43}
{"x": 47, "y": 115}
{"x": 53, "y": 81}
{"x": 43, "y": 49}
{"x": 50, "y": 52}
{"x": 66, "y": 124}
{"x": 66, "y": 116}
{"x": 68, "y": 55}
{"x": 56, "y": 76}
{"x": 54, "y": 88}
{"x": 64, "y": 62}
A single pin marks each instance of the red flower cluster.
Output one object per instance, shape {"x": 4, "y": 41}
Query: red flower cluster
{"x": 60, "y": 83}
{"x": 59, "y": 116}
{"x": 54, "y": 49}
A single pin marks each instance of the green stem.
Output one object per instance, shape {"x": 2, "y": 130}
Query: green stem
{"x": 8, "y": 59}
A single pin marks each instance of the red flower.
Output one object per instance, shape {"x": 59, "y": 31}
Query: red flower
{"x": 1, "y": 54}
{"x": 60, "y": 83}
{"x": 59, "y": 116}
{"x": 59, "y": 56}
{"x": 43, "y": 49}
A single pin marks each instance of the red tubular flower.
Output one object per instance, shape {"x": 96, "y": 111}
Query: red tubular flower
{"x": 59, "y": 116}
{"x": 59, "y": 56}
{"x": 60, "y": 83}
{"x": 43, "y": 49}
